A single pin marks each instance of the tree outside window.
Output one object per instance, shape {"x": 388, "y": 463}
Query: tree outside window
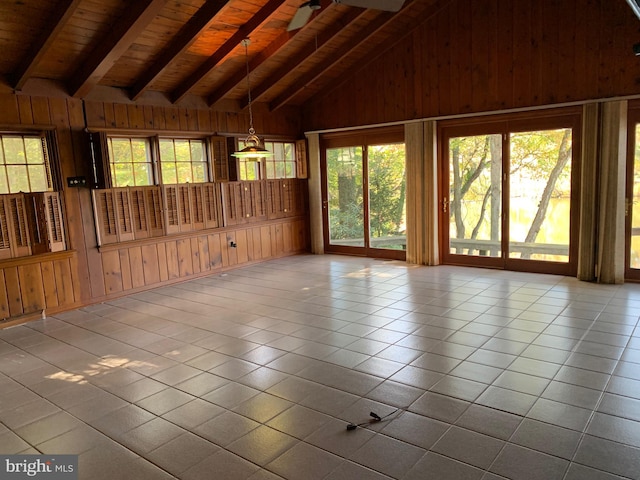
{"x": 183, "y": 161}
{"x": 130, "y": 162}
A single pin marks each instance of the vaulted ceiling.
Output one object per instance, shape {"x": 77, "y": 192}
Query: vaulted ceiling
{"x": 193, "y": 48}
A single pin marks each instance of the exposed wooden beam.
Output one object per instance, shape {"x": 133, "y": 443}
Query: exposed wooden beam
{"x": 309, "y": 50}
{"x": 259, "y": 59}
{"x": 243, "y": 32}
{"x": 371, "y": 29}
{"x": 111, "y": 48}
{"x": 187, "y": 35}
{"x": 61, "y": 14}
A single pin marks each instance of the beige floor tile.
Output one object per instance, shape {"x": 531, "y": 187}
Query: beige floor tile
{"x": 501, "y": 374}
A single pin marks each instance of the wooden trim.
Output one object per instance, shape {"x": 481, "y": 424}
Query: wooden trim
{"x": 302, "y": 159}
{"x": 369, "y": 136}
{"x": 32, "y": 259}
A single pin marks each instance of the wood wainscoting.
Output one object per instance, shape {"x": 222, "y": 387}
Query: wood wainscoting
{"x": 37, "y": 285}
{"x": 135, "y": 266}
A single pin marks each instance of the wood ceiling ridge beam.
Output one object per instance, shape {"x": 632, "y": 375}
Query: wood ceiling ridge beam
{"x": 368, "y": 31}
{"x": 307, "y": 52}
{"x": 63, "y": 11}
{"x": 273, "y": 48}
{"x": 186, "y": 37}
{"x": 243, "y": 32}
{"x": 114, "y": 45}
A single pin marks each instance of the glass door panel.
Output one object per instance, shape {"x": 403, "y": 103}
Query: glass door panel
{"x": 345, "y": 196}
{"x": 387, "y": 206}
{"x": 540, "y": 195}
{"x": 634, "y": 249}
{"x": 475, "y": 195}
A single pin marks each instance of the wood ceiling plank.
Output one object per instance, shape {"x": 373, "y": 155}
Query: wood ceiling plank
{"x": 259, "y": 59}
{"x": 63, "y": 11}
{"x": 184, "y": 39}
{"x": 243, "y": 32}
{"x": 313, "y": 75}
{"x": 118, "y": 40}
{"x": 307, "y": 52}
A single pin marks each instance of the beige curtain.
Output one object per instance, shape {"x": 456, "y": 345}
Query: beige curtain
{"x": 422, "y": 191}
{"x": 587, "y": 249}
{"x": 315, "y": 194}
{"x": 611, "y": 219}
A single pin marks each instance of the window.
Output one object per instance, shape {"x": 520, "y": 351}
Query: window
{"x": 24, "y": 165}
{"x": 130, "y": 161}
{"x": 183, "y": 161}
{"x": 30, "y": 211}
{"x": 281, "y": 165}
{"x": 248, "y": 168}
{"x": 283, "y": 162}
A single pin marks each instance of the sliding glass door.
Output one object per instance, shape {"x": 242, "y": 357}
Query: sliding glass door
{"x": 540, "y": 195}
{"x": 473, "y": 205}
{"x": 364, "y": 195}
{"x": 345, "y": 182}
{"x": 632, "y": 210}
{"x": 507, "y": 194}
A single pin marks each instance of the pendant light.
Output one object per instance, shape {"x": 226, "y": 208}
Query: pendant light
{"x": 253, "y": 149}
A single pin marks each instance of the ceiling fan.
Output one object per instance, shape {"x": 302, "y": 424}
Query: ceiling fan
{"x": 303, "y": 14}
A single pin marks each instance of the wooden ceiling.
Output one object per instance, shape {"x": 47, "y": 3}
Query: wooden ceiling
{"x": 193, "y": 48}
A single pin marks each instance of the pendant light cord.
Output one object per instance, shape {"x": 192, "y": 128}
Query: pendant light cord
{"x": 246, "y": 42}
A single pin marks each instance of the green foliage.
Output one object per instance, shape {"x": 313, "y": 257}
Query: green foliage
{"x": 386, "y": 177}
{"x": 130, "y": 162}
{"x": 346, "y": 203}
{"x": 386, "y": 190}
{"x": 22, "y": 164}
{"x": 539, "y": 169}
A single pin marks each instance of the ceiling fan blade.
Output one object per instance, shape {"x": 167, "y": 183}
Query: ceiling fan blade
{"x": 386, "y": 5}
{"x": 302, "y": 16}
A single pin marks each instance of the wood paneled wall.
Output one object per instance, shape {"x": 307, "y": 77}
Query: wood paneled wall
{"x": 487, "y": 55}
{"x": 132, "y": 267}
{"x": 43, "y": 282}
{"x": 86, "y": 274}
{"x": 175, "y": 119}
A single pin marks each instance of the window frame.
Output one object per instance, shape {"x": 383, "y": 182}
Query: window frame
{"x": 47, "y": 144}
{"x": 206, "y": 146}
{"x": 33, "y": 221}
{"x": 153, "y": 142}
{"x": 260, "y": 166}
{"x": 151, "y": 156}
{"x": 506, "y": 124}
{"x": 284, "y": 161}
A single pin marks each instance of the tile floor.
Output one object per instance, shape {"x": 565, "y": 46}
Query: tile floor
{"x": 256, "y": 373}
